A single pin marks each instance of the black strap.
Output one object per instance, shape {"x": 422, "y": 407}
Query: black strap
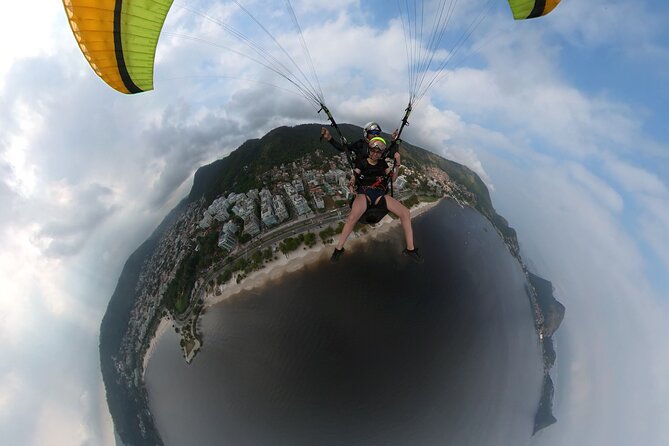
{"x": 405, "y": 120}
{"x": 332, "y": 121}
{"x": 342, "y": 139}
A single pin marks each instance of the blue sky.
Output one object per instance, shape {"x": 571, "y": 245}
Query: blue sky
{"x": 563, "y": 118}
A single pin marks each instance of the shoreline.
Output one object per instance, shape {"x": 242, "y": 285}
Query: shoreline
{"x": 297, "y": 260}
{"x": 286, "y": 264}
{"x": 163, "y": 326}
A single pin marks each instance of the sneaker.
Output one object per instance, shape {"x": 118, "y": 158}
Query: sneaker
{"x": 414, "y": 255}
{"x": 336, "y": 254}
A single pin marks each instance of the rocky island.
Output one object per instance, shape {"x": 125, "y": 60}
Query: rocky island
{"x": 265, "y": 200}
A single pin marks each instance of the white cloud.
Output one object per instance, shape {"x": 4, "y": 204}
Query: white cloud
{"x": 654, "y": 223}
{"x": 26, "y": 30}
{"x": 602, "y": 192}
{"x": 10, "y": 387}
{"x": 16, "y": 152}
{"x": 20, "y": 262}
{"x": 617, "y": 23}
{"x": 651, "y": 197}
{"x": 564, "y": 118}
{"x": 57, "y": 426}
{"x": 635, "y": 179}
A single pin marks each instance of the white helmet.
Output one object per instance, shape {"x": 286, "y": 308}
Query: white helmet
{"x": 371, "y": 127}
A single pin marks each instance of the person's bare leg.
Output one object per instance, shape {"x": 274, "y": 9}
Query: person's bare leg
{"x": 359, "y": 207}
{"x": 404, "y": 215}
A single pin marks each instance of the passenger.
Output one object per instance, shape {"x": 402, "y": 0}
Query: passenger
{"x": 370, "y": 182}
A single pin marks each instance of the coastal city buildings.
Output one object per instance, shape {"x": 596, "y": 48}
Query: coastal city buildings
{"x": 227, "y": 239}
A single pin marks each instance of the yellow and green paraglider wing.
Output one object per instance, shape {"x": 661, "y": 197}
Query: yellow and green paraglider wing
{"x": 119, "y": 38}
{"x": 528, "y": 9}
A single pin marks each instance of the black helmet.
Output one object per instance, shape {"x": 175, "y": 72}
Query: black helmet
{"x": 371, "y": 127}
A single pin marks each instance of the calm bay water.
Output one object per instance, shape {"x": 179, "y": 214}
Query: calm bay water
{"x": 374, "y": 350}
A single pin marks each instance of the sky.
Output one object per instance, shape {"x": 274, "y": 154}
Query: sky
{"x": 562, "y": 117}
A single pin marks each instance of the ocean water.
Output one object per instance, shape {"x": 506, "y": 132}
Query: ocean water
{"x": 373, "y": 350}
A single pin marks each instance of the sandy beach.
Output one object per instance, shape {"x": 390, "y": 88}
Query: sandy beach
{"x": 164, "y": 325}
{"x": 294, "y": 261}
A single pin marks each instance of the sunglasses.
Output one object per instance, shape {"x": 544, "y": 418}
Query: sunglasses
{"x": 374, "y": 132}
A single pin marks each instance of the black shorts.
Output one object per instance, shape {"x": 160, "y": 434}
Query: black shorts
{"x": 373, "y": 194}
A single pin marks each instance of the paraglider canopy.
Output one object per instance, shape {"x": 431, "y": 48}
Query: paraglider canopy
{"x": 529, "y": 9}
{"x": 119, "y": 38}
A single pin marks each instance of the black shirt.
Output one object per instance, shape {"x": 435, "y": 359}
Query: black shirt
{"x": 371, "y": 174}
